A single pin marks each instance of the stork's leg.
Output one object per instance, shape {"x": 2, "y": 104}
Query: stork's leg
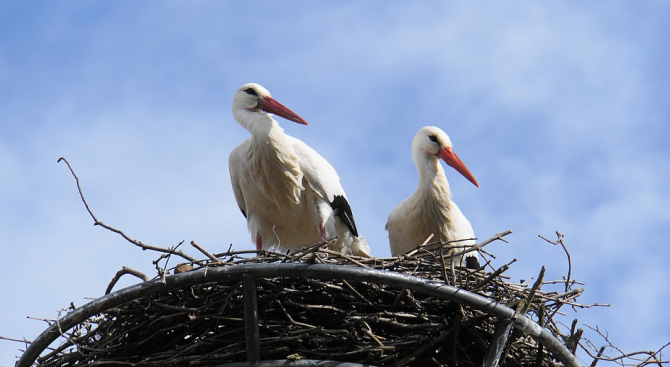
{"x": 322, "y": 221}
{"x": 259, "y": 241}
{"x": 322, "y": 230}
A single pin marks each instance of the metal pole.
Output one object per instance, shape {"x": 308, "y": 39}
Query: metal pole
{"x": 252, "y": 334}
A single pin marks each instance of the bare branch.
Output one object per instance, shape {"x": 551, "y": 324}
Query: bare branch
{"x": 639, "y": 358}
{"x": 119, "y": 232}
{"x": 207, "y": 253}
{"x": 559, "y": 241}
{"x": 15, "y": 340}
{"x": 125, "y": 270}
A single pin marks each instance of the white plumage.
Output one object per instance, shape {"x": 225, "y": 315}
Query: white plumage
{"x": 430, "y": 210}
{"x": 290, "y": 195}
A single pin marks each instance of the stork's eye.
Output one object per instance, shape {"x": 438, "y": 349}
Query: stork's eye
{"x": 433, "y": 138}
{"x": 251, "y": 91}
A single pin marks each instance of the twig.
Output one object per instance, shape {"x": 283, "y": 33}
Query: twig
{"x": 415, "y": 250}
{"x": 119, "y": 232}
{"x": 444, "y": 266}
{"x": 310, "y": 249}
{"x": 15, "y": 340}
{"x": 497, "y": 272}
{"x": 207, "y": 253}
{"x": 125, "y": 270}
{"x": 350, "y": 258}
{"x": 288, "y": 316}
{"x": 162, "y": 272}
{"x": 623, "y": 355}
{"x": 48, "y": 321}
{"x": 597, "y": 358}
{"x": 439, "y": 339}
{"x": 558, "y": 241}
{"x": 368, "y": 330}
{"x": 357, "y": 293}
{"x": 476, "y": 247}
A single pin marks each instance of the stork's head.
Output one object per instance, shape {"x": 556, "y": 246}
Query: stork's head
{"x": 431, "y": 142}
{"x": 254, "y": 98}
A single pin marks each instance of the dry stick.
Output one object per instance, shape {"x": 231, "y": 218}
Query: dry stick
{"x": 125, "y": 270}
{"x": 16, "y": 340}
{"x": 357, "y": 293}
{"x": 48, "y": 321}
{"x": 647, "y": 361}
{"x": 427, "y": 239}
{"x": 163, "y": 272}
{"x": 562, "y": 281}
{"x": 471, "y": 248}
{"x": 478, "y": 246}
{"x": 410, "y": 357}
{"x": 288, "y": 316}
{"x": 414, "y": 251}
{"x": 54, "y": 351}
{"x": 497, "y": 272}
{"x": 313, "y": 248}
{"x": 444, "y": 265}
{"x": 623, "y": 355}
{"x": 103, "y": 225}
{"x": 345, "y": 256}
{"x": 558, "y": 241}
{"x": 60, "y": 329}
{"x": 597, "y": 357}
{"x": 467, "y": 249}
{"x": 368, "y": 330}
{"x": 207, "y": 253}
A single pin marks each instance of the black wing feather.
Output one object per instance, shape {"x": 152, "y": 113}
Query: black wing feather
{"x": 343, "y": 210}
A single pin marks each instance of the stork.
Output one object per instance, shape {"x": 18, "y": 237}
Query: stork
{"x": 430, "y": 210}
{"x": 289, "y": 194}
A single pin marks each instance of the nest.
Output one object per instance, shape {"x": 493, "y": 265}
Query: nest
{"x": 301, "y": 318}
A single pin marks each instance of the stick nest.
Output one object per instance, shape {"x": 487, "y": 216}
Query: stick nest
{"x": 303, "y": 318}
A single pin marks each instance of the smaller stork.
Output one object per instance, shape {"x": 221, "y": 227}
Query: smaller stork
{"x": 430, "y": 210}
{"x": 289, "y": 194}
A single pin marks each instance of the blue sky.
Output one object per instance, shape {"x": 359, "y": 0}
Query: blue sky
{"x": 560, "y": 111}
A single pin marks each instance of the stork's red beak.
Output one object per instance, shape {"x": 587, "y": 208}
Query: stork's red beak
{"x": 452, "y": 159}
{"x": 269, "y": 105}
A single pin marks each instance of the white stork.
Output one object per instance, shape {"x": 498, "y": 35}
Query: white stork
{"x": 430, "y": 209}
{"x": 290, "y": 195}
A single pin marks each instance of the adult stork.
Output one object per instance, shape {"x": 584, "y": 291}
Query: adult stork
{"x": 430, "y": 210}
{"x": 289, "y": 194}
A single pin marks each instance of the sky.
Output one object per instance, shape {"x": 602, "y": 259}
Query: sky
{"x": 559, "y": 109}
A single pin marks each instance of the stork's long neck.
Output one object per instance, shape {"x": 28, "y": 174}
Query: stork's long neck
{"x": 432, "y": 180}
{"x": 260, "y": 124}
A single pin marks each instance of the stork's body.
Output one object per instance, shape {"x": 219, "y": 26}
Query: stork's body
{"x": 430, "y": 210}
{"x": 290, "y": 195}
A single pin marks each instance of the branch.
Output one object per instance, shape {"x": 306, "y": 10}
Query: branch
{"x": 651, "y": 357}
{"x": 558, "y": 241}
{"x": 15, "y": 340}
{"x": 122, "y": 272}
{"x": 464, "y": 248}
{"x": 103, "y": 225}
{"x": 497, "y": 272}
{"x": 207, "y": 253}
